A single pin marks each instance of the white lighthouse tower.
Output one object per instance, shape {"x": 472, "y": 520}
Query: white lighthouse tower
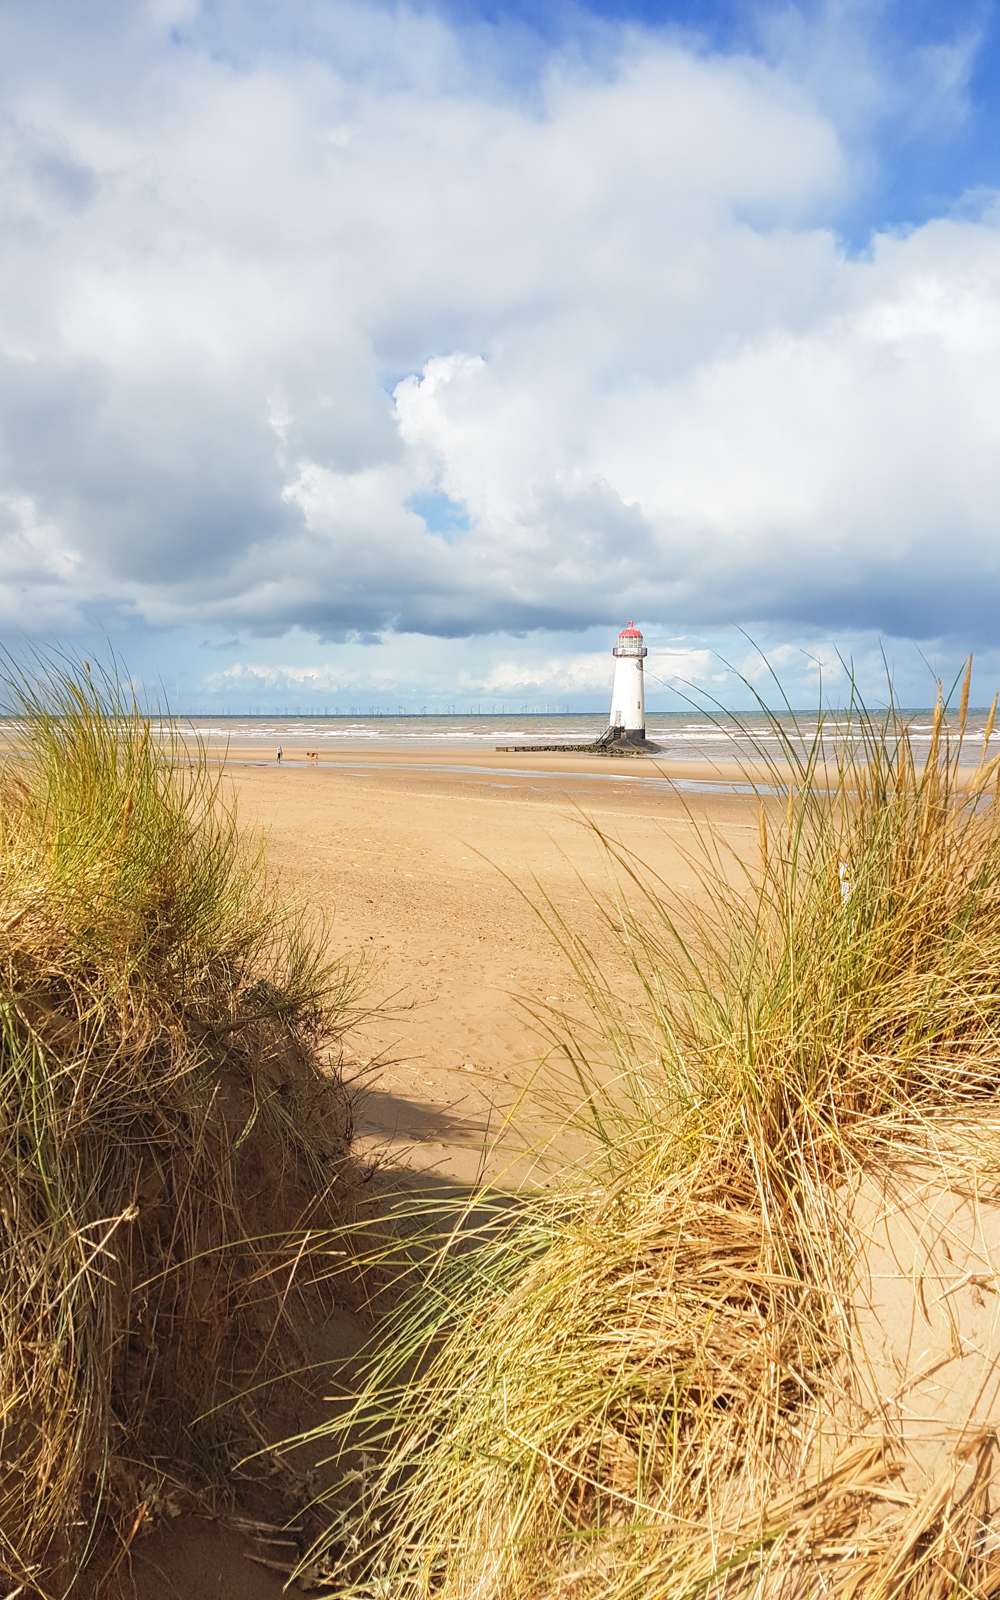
{"x": 628, "y": 698}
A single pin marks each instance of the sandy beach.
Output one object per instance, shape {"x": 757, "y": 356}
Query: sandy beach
{"x": 437, "y": 871}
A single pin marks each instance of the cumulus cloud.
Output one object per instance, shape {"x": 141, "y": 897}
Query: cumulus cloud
{"x": 269, "y": 290}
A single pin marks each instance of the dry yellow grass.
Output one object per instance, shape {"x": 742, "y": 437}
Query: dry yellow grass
{"x": 644, "y": 1385}
{"x": 168, "y": 1144}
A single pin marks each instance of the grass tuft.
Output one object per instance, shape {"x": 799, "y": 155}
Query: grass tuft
{"x": 169, "y": 1145}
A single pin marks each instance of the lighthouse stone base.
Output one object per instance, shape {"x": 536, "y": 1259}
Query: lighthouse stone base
{"x": 614, "y": 742}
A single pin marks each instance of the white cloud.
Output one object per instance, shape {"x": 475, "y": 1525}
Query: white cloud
{"x": 252, "y": 307}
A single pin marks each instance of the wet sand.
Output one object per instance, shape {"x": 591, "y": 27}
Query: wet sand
{"x": 574, "y": 768}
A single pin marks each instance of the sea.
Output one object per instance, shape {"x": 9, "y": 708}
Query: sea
{"x": 682, "y": 736}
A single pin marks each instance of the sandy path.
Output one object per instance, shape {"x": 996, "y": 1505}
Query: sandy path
{"x": 413, "y": 866}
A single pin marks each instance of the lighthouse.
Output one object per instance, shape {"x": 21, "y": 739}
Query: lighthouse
{"x": 625, "y": 734}
{"x": 628, "y": 699}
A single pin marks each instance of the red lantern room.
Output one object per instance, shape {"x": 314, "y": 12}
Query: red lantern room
{"x": 629, "y": 642}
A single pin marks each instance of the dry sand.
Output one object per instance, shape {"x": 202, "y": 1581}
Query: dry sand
{"x": 430, "y": 869}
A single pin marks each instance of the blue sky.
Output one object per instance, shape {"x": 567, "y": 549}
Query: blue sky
{"x": 400, "y": 354}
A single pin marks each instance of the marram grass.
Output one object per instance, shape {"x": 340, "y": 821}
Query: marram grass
{"x": 643, "y": 1386}
{"x": 169, "y": 1149}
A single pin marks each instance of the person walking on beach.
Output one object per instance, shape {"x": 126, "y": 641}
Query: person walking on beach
{"x": 279, "y": 755}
